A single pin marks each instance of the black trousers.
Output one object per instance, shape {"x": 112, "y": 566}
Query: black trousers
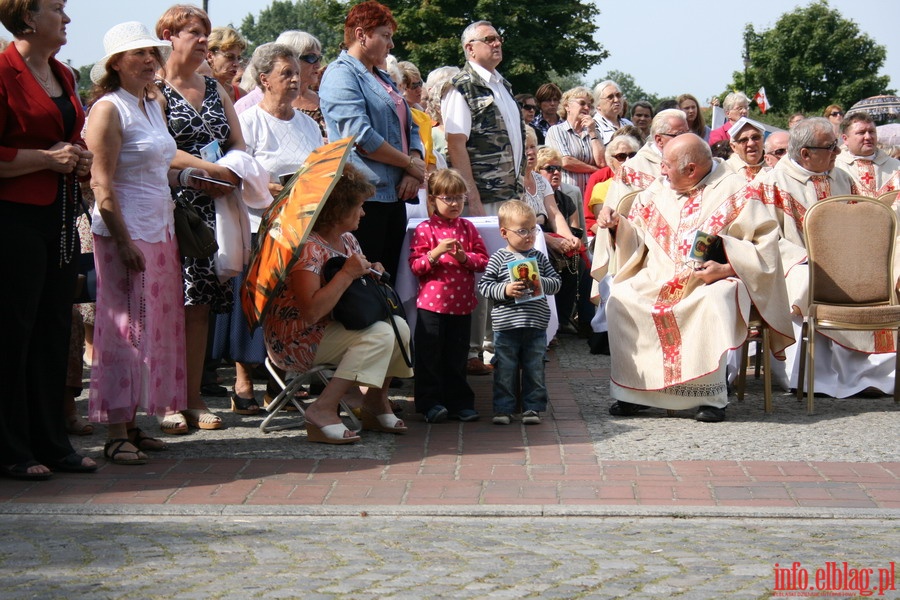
{"x": 35, "y": 321}
{"x": 381, "y": 232}
{"x": 442, "y": 349}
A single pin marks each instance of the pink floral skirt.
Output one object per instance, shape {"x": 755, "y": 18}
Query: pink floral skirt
{"x": 139, "y": 358}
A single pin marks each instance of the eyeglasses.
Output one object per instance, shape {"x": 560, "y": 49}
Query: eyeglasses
{"x": 551, "y": 169}
{"x": 452, "y": 200}
{"x": 831, "y": 147}
{"x": 836, "y": 113}
{"x": 750, "y": 138}
{"x": 528, "y": 107}
{"x": 416, "y": 85}
{"x": 623, "y": 156}
{"x": 611, "y": 97}
{"x": 672, "y": 135}
{"x": 582, "y": 102}
{"x": 310, "y": 58}
{"x": 490, "y": 40}
{"x": 778, "y": 152}
{"x": 524, "y": 233}
{"x": 229, "y": 56}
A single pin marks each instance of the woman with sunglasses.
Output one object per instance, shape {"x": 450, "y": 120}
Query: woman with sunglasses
{"x": 835, "y": 114}
{"x": 621, "y": 147}
{"x": 280, "y": 138}
{"x": 309, "y": 52}
{"x": 224, "y": 49}
{"x": 412, "y": 87}
{"x": 528, "y": 107}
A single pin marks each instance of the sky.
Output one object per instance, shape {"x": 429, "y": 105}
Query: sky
{"x": 706, "y": 43}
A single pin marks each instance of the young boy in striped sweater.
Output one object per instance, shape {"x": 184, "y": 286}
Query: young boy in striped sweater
{"x": 520, "y": 314}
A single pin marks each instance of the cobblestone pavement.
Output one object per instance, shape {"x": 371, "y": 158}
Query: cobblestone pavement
{"x": 76, "y": 557}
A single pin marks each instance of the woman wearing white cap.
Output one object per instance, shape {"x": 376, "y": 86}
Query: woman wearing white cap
{"x": 139, "y": 358}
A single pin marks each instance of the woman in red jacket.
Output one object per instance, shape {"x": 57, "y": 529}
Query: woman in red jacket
{"x": 41, "y": 157}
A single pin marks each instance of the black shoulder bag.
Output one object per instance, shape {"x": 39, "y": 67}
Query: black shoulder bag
{"x": 366, "y": 301}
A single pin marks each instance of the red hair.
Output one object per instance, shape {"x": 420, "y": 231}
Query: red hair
{"x": 368, "y": 15}
{"x": 176, "y": 17}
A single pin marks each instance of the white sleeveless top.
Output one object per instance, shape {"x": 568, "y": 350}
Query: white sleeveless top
{"x": 141, "y": 181}
{"x": 542, "y": 188}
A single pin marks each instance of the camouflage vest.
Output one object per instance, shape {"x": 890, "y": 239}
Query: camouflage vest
{"x": 490, "y": 151}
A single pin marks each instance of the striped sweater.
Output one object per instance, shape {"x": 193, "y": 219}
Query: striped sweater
{"x": 506, "y": 314}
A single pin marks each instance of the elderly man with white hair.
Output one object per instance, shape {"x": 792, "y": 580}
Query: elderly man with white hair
{"x": 847, "y": 362}
{"x": 776, "y": 147}
{"x": 673, "y": 319}
{"x": 639, "y": 172}
{"x": 609, "y": 101}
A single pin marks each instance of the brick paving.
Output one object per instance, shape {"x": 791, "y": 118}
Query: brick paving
{"x": 478, "y": 465}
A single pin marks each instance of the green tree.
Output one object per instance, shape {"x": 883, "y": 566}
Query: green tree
{"x": 811, "y": 58}
{"x": 321, "y": 18}
{"x": 630, "y": 89}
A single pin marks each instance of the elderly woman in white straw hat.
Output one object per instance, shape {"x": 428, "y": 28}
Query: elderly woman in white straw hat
{"x": 139, "y": 358}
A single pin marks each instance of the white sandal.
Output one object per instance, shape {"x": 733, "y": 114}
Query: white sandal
{"x": 173, "y": 424}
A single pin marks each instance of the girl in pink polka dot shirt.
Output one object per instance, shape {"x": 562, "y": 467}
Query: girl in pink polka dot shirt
{"x": 445, "y": 253}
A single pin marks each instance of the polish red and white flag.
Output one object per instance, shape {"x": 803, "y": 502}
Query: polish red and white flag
{"x": 762, "y": 101}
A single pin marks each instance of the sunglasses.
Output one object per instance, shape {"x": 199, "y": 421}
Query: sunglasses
{"x": 310, "y": 58}
{"x": 778, "y": 152}
{"x": 831, "y": 147}
{"x": 490, "y": 40}
{"x": 416, "y": 85}
{"x": 551, "y": 169}
{"x": 529, "y": 107}
{"x": 623, "y": 156}
{"x": 836, "y": 113}
{"x": 750, "y": 138}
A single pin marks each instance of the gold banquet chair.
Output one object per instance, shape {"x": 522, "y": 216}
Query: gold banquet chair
{"x": 758, "y": 333}
{"x": 888, "y": 198}
{"x": 850, "y": 243}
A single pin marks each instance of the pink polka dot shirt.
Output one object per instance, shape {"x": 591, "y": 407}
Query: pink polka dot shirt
{"x": 447, "y": 287}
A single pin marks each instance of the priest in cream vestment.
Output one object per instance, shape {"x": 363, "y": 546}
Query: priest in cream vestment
{"x": 847, "y": 362}
{"x": 673, "y": 319}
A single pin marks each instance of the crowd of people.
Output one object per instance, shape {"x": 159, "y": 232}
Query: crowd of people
{"x": 176, "y": 118}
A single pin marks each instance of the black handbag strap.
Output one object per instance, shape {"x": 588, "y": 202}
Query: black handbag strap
{"x": 383, "y": 294}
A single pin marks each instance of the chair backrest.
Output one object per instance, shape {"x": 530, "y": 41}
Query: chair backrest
{"x": 625, "y": 203}
{"x": 850, "y": 243}
{"x": 888, "y": 198}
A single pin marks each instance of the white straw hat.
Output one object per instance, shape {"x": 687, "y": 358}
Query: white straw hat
{"x": 124, "y": 37}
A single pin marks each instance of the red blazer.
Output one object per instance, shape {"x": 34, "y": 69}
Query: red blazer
{"x": 30, "y": 120}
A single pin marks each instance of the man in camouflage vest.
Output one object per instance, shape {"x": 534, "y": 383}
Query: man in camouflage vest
{"x": 484, "y": 127}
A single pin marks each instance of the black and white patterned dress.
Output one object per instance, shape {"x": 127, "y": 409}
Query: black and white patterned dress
{"x": 192, "y": 131}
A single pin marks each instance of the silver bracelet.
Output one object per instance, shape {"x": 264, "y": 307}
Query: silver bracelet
{"x": 185, "y": 175}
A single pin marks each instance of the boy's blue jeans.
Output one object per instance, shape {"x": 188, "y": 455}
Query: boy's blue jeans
{"x": 524, "y": 347}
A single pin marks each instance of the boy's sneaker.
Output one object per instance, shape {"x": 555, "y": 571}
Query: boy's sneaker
{"x": 436, "y": 414}
{"x": 502, "y": 419}
{"x": 531, "y": 417}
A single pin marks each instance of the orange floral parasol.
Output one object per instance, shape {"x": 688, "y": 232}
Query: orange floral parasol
{"x": 286, "y": 225}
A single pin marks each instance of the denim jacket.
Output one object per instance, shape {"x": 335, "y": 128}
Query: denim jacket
{"x": 354, "y": 103}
